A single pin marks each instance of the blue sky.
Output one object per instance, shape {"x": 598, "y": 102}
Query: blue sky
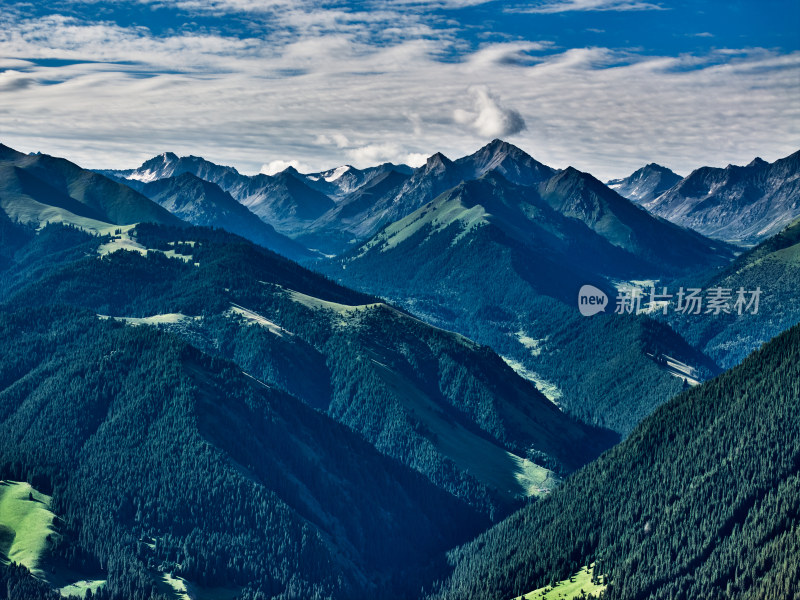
{"x": 603, "y": 85}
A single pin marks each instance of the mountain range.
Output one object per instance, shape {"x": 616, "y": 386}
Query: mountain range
{"x": 426, "y": 414}
{"x": 740, "y": 204}
{"x": 332, "y": 210}
{"x": 503, "y": 264}
{"x": 316, "y": 208}
{"x": 203, "y": 203}
{"x": 40, "y": 189}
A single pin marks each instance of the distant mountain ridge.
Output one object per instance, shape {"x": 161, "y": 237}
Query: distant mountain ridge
{"x": 284, "y": 201}
{"x": 200, "y": 202}
{"x": 169, "y": 164}
{"x": 38, "y": 189}
{"x": 332, "y": 210}
{"x": 580, "y": 196}
{"x": 440, "y": 174}
{"x": 342, "y": 181}
{"x": 741, "y": 204}
{"x": 335, "y": 209}
{"x": 645, "y": 184}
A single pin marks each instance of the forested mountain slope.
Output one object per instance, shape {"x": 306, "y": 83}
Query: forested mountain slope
{"x": 502, "y": 265}
{"x": 162, "y": 460}
{"x": 434, "y": 400}
{"x": 772, "y": 271}
{"x": 701, "y": 501}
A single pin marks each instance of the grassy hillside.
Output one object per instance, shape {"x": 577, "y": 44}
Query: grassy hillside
{"x": 579, "y": 586}
{"x": 26, "y": 523}
{"x": 701, "y": 501}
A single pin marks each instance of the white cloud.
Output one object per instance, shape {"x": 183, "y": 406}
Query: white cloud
{"x": 373, "y": 154}
{"x": 435, "y": 3}
{"x": 327, "y": 94}
{"x": 277, "y": 166}
{"x": 488, "y": 118}
{"x": 509, "y": 54}
{"x": 226, "y": 6}
{"x": 339, "y": 140}
{"x": 557, "y": 6}
{"x": 11, "y": 80}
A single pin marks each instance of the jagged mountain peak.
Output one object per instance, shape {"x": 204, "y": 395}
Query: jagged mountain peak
{"x": 513, "y": 163}
{"x": 575, "y": 177}
{"x": 169, "y": 164}
{"x": 290, "y": 170}
{"x": 437, "y": 161}
{"x": 656, "y": 167}
{"x": 645, "y": 184}
{"x": 161, "y": 160}
{"x": 291, "y": 177}
{"x": 735, "y": 203}
{"x": 498, "y": 145}
{"x": 498, "y": 150}
{"x": 332, "y": 175}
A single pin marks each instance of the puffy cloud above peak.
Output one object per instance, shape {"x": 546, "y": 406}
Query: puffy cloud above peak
{"x": 488, "y": 118}
{"x": 278, "y": 166}
{"x": 373, "y": 154}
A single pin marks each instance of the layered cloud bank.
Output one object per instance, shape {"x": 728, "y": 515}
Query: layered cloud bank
{"x": 258, "y": 84}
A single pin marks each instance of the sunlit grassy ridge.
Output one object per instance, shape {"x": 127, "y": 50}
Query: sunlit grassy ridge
{"x": 26, "y": 522}
{"x": 578, "y": 586}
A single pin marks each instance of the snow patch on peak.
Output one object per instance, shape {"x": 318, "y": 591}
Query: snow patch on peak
{"x": 336, "y": 173}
